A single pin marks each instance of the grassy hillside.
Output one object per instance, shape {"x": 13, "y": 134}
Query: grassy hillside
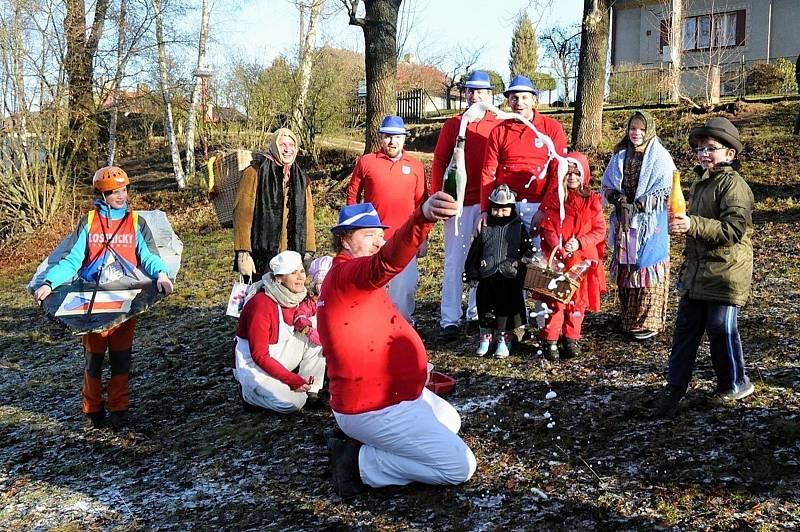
{"x": 195, "y": 460}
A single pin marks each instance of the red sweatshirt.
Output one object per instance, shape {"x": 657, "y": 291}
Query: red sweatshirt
{"x": 258, "y": 324}
{"x": 374, "y": 357}
{"x": 512, "y": 157}
{"x": 583, "y": 219}
{"x": 395, "y": 188}
{"x": 474, "y": 152}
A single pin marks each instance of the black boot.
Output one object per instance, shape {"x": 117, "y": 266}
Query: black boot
{"x": 119, "y": 420}
{"x": 551, "y": 351}
{"x": 97, "y": 419}
{"x": 668, "y": 403}
{"x": 571, "y": 348}
{"x": 343, "y": 457}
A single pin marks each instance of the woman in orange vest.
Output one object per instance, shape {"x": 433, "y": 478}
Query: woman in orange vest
{"x": 109, "y": 241}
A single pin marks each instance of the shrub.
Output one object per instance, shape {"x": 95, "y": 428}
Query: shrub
{"x": 765, "y": 78}
{"x": 787, "y": 70}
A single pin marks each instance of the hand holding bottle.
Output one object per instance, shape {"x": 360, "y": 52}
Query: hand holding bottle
{"x": 572, "y": 245}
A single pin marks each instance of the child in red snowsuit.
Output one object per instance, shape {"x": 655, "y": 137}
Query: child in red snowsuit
{"x": 317, "y": 271}
{"x": 579, "y": 237}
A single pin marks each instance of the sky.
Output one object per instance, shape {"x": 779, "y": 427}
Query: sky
{"x": 260, "y": 30}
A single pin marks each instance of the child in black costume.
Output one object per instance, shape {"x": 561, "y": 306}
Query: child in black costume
{"x": 495, "y": 262}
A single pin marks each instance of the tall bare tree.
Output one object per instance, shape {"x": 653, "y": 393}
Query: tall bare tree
{"x": 379, "y": 25}
{"x": 79, "y": 67}
{"x": 675, "y": 48}
{"x": 122, "y": 59}
{"x": 562, "y": 46}
{"x": 169, "y": 129}
{"x": 191, "y": 120}
{"x": 461, "y": 59}
{"x": 307, "y": 54}
{"x": 587, "y": 124}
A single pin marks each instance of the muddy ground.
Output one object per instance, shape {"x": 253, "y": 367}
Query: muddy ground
{"x": 194, "y": 460}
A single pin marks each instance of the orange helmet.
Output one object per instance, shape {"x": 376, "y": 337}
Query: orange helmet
{"x": 110, "y": 178}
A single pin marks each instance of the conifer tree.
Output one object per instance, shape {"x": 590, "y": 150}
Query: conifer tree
{"x": 524, "y": 56}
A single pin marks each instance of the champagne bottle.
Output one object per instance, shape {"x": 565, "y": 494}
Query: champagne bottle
{"x": 677, "y": 203}
{"x": 451, "y": 177}
{"x": 578, "y": 271}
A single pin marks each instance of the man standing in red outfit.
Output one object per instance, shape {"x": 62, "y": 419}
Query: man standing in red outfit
{"x": 377, "y": 366}
{"x": 517, "y": 157}
{"x": 458, "y": 232}
{"x": 394, "y": 182}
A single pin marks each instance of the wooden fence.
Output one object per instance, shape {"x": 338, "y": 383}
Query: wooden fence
{"x": 410, "y": 106}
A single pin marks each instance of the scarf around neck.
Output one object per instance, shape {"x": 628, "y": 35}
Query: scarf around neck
{"x": 277, "y": 292}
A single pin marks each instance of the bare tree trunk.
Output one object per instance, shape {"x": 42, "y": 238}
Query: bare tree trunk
{"x": 169, "y": 130}
{"x": 79, "y": 66}
{"x": 191, "y": 121}
{"x": 306, "y": 60}
{"x": 587, "y": 124}
{"x": 21, "y": 150}
{"x": 122, "y": 59}
{"x": 380, "y": 58}
{"x": 675, "y": 47}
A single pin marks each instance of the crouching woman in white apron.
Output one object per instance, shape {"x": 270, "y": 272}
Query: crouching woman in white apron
{"x": 267, "y": 349}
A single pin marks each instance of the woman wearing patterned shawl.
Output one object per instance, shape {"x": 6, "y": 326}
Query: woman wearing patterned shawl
{"x": 273, "y": 211}
{"x": 637, "y": 182}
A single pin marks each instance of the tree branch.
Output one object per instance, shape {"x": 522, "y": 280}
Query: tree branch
{"x": 352, "y": 6}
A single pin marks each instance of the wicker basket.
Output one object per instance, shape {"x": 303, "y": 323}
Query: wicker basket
{"x": 227, "y": 171}
{"x": 549, "y": 283}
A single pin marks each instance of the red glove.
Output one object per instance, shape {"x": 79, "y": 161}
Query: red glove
{"x": 313, "y": 337}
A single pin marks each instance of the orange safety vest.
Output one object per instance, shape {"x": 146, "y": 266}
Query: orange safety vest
{"x": 119, "y": 236}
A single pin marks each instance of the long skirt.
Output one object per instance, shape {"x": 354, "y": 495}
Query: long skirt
{"x": 644, "y": 309}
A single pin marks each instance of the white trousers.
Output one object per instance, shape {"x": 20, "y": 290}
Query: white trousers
{"x": 410, "y": 441}
{"x": 455, "y": 255}
{"x": 403, "y": 290}
{"x": 526, "y": 211}
{"x": 261, "y": 389}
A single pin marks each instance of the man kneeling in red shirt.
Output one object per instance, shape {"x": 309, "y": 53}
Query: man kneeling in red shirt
{"x": 377, "y": 366}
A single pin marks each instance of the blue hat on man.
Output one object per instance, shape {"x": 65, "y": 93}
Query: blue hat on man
{"x": 478, "y": 80}
{"x": 520, "y": 84}
{"x": 393, "y": 125}
{"x": 358, "y": 216}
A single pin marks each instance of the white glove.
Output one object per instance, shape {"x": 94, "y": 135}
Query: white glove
{"x": 245, "y": 264}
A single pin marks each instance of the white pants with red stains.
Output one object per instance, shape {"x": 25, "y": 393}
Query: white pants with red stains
{"x": 403, "y": 290}
{"x": 412, "y": 441}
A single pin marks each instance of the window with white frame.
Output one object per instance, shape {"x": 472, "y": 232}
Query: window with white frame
{"x": 712, "y": 30}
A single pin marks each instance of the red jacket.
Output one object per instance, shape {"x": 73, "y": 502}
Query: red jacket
{"x": 474, "y": 152}
{"x": 512, "y": 157}
{"x": 374, "y": 357}
{"x": 583, "y": 219}
{"x": 395, "y": 188}
{"x": 258, "y": 324}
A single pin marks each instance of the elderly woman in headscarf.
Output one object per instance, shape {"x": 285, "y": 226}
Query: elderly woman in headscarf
{"x": 278, "y": 368}
{"x": 273, "y": 211}
{"x": 638, "y": 182}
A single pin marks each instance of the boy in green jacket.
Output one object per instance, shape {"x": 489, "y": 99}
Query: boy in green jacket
{"x": 715, "y": 277}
